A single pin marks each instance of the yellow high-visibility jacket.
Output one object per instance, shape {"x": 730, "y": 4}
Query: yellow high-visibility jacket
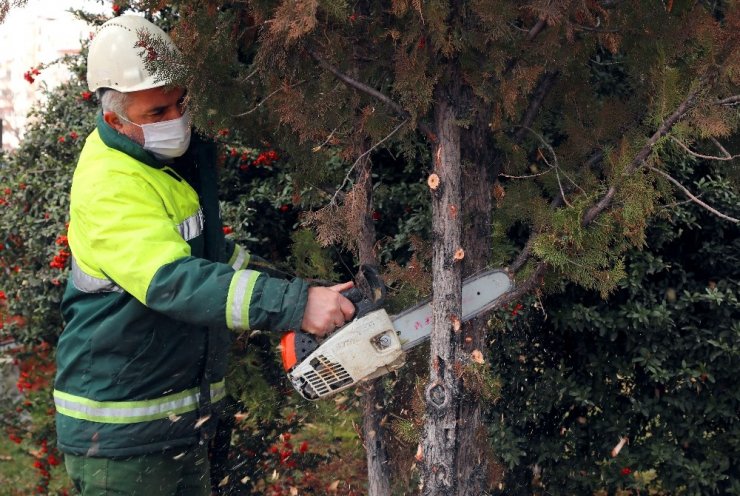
{"x": 153, "y": 291}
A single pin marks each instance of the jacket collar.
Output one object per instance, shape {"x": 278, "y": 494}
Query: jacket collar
{"x": 199, "y": 147}
{"x": 122, "y": 143}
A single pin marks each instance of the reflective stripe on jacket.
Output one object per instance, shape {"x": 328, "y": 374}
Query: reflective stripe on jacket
{"x": 153, "y": 285}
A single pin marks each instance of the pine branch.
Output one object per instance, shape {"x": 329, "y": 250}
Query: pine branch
{"x": 543, "y": 88}
{"x": 708, "y": 157}
{"x": 605, "y": 201}
{"x": 644, "y": 152}
{"x": 691, "y": 196}
{"x": 362, "y": 87}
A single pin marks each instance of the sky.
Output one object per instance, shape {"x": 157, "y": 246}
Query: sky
{"x": 36, "y": 34}
{"x": 52, "y": 8}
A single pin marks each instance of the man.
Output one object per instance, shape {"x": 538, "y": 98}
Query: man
{"x": 155, "y": 290}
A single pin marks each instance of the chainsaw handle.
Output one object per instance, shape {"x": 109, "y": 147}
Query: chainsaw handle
{"x": 297, "y": 345}
{"x": 374, "y": 295}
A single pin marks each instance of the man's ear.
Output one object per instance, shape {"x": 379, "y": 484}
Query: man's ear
{"x": 112, "y": 119}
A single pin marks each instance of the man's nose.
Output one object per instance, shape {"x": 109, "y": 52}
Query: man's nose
{"x": 174, "y": 112}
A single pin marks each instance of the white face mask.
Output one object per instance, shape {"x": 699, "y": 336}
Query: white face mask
{"x": 167, "y": 139}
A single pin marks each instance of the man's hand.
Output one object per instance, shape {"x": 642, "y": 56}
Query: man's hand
{"x": 326, "y": 309}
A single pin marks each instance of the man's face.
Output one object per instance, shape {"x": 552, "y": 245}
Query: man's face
{"x": 147, "y": 107}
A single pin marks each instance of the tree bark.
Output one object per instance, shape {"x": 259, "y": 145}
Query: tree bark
{"x": 373, "y": 435}
{"x": 439, "y": 444}
{"x": 477, "y": 183}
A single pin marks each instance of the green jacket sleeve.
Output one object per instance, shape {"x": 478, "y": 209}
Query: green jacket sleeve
{"x": 192, "y": 289}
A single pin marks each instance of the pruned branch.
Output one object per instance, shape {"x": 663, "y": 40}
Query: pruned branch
{"x": 692, "y": 197}
{"x": 708, "y": 157}
{"x": 644, "y": 152}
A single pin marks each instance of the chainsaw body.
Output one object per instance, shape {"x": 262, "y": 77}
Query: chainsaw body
{"x": 373, "y": 343}
{"x": 366, "y": 348}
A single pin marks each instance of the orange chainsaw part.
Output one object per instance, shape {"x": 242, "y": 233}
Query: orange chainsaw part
{"x": 287, "y": 350}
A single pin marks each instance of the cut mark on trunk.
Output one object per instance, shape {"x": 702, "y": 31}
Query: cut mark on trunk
{"x": 437, "y": 396}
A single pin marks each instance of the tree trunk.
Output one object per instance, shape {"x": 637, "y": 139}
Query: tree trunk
{"x": 439, "y": 450}
{"x": 477, "y": 183}
{"x": 378, "y": 476}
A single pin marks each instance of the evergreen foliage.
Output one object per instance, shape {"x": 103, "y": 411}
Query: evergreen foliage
{"x": 655, "y": 364}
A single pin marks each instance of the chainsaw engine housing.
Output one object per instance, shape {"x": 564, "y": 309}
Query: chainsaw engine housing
{"x": 365, "y": 348}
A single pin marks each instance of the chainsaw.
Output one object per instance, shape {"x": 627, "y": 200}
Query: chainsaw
{"x": 374, "y": 343}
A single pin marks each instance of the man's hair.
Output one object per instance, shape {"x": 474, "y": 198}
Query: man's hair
{"x": 113, "y": 101}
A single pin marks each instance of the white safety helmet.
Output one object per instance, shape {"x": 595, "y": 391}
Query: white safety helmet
{"x": 114, "y": 61}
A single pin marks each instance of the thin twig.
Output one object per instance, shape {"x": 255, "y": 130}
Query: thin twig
{"x": 560, "y": 185}
{"x": 594, "y": 29}
{"x": 367, "y": 152}
{"x": 556, "y": 164}
{"x": 730, "y": 100}
{"x": 360, "y": 86}
{"x": 692, "y": 196}
{"x": 319, "y": 147}
{"x": 708, "y": 157}
{"x": 517, "y": 27}
{"x": 249, "y": 76}
{"x": 529, "y": 176}
{"x": 357, "y": 84}
{"x": 267, "y": 98}
{"x": 673, "y": 205}
{"x": 721, "y": 148}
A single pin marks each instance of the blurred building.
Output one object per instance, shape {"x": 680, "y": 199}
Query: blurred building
{"x": 39, "y": 33}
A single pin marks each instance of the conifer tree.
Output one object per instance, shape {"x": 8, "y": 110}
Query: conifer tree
{"x": 574, "y": 173}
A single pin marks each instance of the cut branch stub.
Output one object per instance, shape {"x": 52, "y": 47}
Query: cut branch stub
{"x": 456, "y": 323}
{"x": 433, "y": 181}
